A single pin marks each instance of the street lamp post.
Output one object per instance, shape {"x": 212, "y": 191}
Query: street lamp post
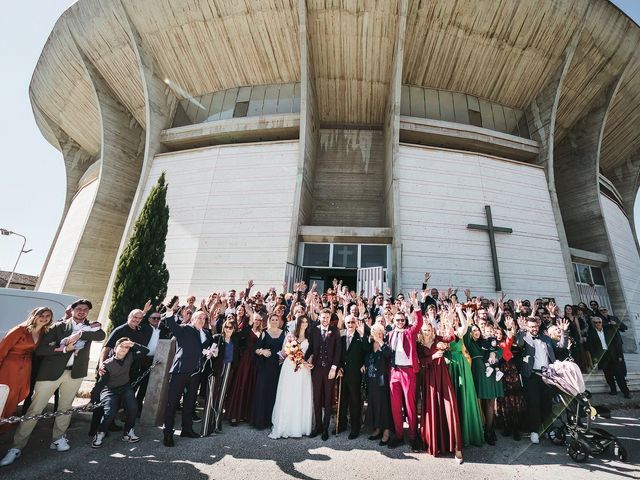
{"x": 4, "y": 231}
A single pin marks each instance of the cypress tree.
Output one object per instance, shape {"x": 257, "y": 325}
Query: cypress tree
{"x": 142, "y": 274}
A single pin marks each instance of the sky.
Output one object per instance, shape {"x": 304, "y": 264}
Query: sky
{"x": 32, "y": 170}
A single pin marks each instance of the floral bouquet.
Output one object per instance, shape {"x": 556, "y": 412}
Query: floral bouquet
{"x": 293, "y": 351}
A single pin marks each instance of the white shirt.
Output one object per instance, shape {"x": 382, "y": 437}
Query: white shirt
{"x": 153, "y": 342}
{"x": 603, "y": 340}
{"x": 401, "y": 358}
{"x": 75, "y": 328}
{"x": 542, "y": 357}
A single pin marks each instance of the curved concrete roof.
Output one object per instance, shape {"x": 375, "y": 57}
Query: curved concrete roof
{"x": 502, "y": 50}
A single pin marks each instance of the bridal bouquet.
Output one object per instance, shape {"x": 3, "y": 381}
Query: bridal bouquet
{"x": 293, "y": 351}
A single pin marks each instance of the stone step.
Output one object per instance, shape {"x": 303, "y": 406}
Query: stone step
{"x": 596, "y": 383}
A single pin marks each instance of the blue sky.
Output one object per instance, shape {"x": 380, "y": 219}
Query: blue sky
{"x": 33, "y": 172}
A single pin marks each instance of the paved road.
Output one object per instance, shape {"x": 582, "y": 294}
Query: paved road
{"x": 243, "y": 453}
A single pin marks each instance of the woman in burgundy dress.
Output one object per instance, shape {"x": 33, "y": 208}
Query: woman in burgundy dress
{"x": 240, "y": 399}
{"x": 16, "y": 353}
{"x": 439, "y": 424}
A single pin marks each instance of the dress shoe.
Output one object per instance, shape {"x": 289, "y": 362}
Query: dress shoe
{"x": 376, "y": 437}
{"x": 314, "y": 434}
{"x": 233, "y": 423}
{"x": 382, "y": 443}
{"x": 189, "y": 434}
{"x": 353, "y": 435}
{"x": 613, "y": 393}
{"x": 489, "y": 439}
{"x": 394, "y": 442}
{"x": 416, "y": 445}
{"x": 168, "y": 440}
{"x": 516, "y": 435}
{"x": 325, "y": 436}
{"x": 627, "y": 394}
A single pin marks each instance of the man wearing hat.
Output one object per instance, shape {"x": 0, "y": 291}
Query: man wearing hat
{"x": 64, "y": 366}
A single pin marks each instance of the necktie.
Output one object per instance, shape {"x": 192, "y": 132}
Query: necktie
{"x": 324, "y": 334}
{"x": 349, "y": 341}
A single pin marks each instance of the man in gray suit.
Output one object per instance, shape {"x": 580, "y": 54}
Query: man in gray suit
{"x": 65, "y": 351}
{"x": 537, "y": 352}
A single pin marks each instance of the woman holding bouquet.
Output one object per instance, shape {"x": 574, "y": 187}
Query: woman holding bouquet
{"x": 293, "y": 410}
{"x": 439, "y": 424}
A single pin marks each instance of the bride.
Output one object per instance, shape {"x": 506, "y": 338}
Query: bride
{"x": 293, "y": 410}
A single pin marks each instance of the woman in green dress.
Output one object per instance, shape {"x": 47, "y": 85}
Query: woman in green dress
{"x": 487, "y": 388}
{"x": 462, "y": 380}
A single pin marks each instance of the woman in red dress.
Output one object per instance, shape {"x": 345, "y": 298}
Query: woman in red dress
{"x": 16, "y": 353}
{"x": 439, "y": 423}
{"x": 240, "y": 399}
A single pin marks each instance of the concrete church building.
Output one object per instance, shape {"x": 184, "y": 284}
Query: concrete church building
{"x": 368, "y": 140}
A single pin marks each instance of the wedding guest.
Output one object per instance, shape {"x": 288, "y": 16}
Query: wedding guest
{"x": 354, "y": 346}
{"x": 62, "y": 369}
{"x": 487, "y": 388}
{"x": 377, "y": 363}
{"x": 439, "y": 422}
{"x": 404, "y": 367}
{"x": 537, "y": 352}
{"x": 191, "y": 300}
{"x": 462, "y": 379}
{"x": 512, "y": 405}
{"x": 191, "y": 339}
{"x": 578, "y": 330}
{"x": 242, "y": 389}
{"x": 16, "y": 354}
{"x": 267, "y": 372}
{"x": 611, "y": 319}
{"x": 605, "y": 344}
{"x": 324, "y": 351}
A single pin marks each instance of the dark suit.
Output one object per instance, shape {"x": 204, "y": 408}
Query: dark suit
{"x": 326, "y": 353}
{"x": 352, "y": 361}
{"x": 611, "y": 359}
{"x": 185, "y": 373}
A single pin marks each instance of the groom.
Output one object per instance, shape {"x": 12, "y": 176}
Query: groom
{"x": 324, "y": 351}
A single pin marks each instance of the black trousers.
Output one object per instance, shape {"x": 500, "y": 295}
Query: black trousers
{"x": 538, "y": 396}
{"x": 351, "y": 402}
{"x": 141, "y": 367}
{"x": 177, "y": 385}
{"x": 614, "y": 371}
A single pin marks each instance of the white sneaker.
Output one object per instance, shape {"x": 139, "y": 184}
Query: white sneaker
{"x": 488, "y": 371}
{"x": 61, "y": 445}
{"x": 98, "y": 438}
{"x": 130, "y": 437}
{"x": 10, "y": 457}
{"x": 535, "y": 438}
{"x": 499, "y": 375}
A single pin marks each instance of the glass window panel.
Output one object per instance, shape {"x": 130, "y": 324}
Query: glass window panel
{"x": 373, "y": 256}
{"x": 285, "y": 100}
{"x": 180, "y": 118}
{"x": 270, "y": 99}
{"x": 240, "y": 109}
{"x": 575, "y": 272}
{"x": 598, "y": 277}
{"x": 487, "y": 115}
{"x": 191, "y": 109}
{"x": 523, "y": 126}
{"x": 472, "y": 103}
{"x": 203, "y": 109}
{"x": 446, "y": 106}
{"x": 256, "y": 100}
{"x": 405, "y": 104}
{"x": 416, "y": 94}
{"x": 511, "y": 121}
{"x": 316, "y": 255}
{"x": 296, "y": 98}
{"x": 585, "y": 273}
{"x": 498, "y": 118}
{"x": 432, "y": 102}
{"x": 244, "y": 94}
{"x": 345, "y": 256}
{"x": 216, "y": 106}
{"x": 460, "y": 108}
{"x": 475, "y": 118}
{"x": 229, "y": 103}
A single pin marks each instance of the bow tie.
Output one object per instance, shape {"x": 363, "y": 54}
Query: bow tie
{"x": 535, "y": 337}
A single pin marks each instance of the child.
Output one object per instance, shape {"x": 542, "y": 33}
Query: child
{"x": 114, "y": 386}
{"x": 491, "y": 349}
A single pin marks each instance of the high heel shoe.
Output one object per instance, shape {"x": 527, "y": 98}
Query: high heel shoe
{"x": 378, "y": 436}
{"x": 458, "y": 458}
{"x": 383, "y": 442}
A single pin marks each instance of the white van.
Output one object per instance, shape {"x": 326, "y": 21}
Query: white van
{"x": 16, "y": 304}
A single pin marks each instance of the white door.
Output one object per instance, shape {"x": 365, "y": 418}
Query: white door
{"x": 370, "y": 279}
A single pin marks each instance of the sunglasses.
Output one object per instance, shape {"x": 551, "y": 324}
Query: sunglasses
{"x": 154, "y": 317}
{"x": 228, "y": 327}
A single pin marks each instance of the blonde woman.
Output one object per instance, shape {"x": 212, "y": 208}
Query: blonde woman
{"x": 16, "y": 353}
{"x": 376, "y": 364}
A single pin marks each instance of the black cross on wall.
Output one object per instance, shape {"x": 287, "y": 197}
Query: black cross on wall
{"x": 489, "y": 227}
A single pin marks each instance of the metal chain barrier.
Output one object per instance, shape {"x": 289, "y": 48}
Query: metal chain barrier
{"x": 84, "y": 408}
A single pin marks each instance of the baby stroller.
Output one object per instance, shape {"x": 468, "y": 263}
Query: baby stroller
{"x": 575, "y": 430}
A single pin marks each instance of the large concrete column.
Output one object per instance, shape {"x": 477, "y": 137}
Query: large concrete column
{"x": 391, "y": 131}
{"x": 541, "y": 117}
{"x": 577, "y": 170}
{"x": 626, "y": 179}
{"x": 121, "y": 152}
{"x": 159, "y": 104}
{"x": 309, "y": 137}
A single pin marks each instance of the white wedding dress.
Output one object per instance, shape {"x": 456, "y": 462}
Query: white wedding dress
{"x": 293, "y": 410}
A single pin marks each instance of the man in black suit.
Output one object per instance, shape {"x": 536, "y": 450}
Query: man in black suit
{"x": 324, "y": 349}
{"x": 605, "y": 344}
{"x": 354, "y": 345}
{"x": 191, "y": 340}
